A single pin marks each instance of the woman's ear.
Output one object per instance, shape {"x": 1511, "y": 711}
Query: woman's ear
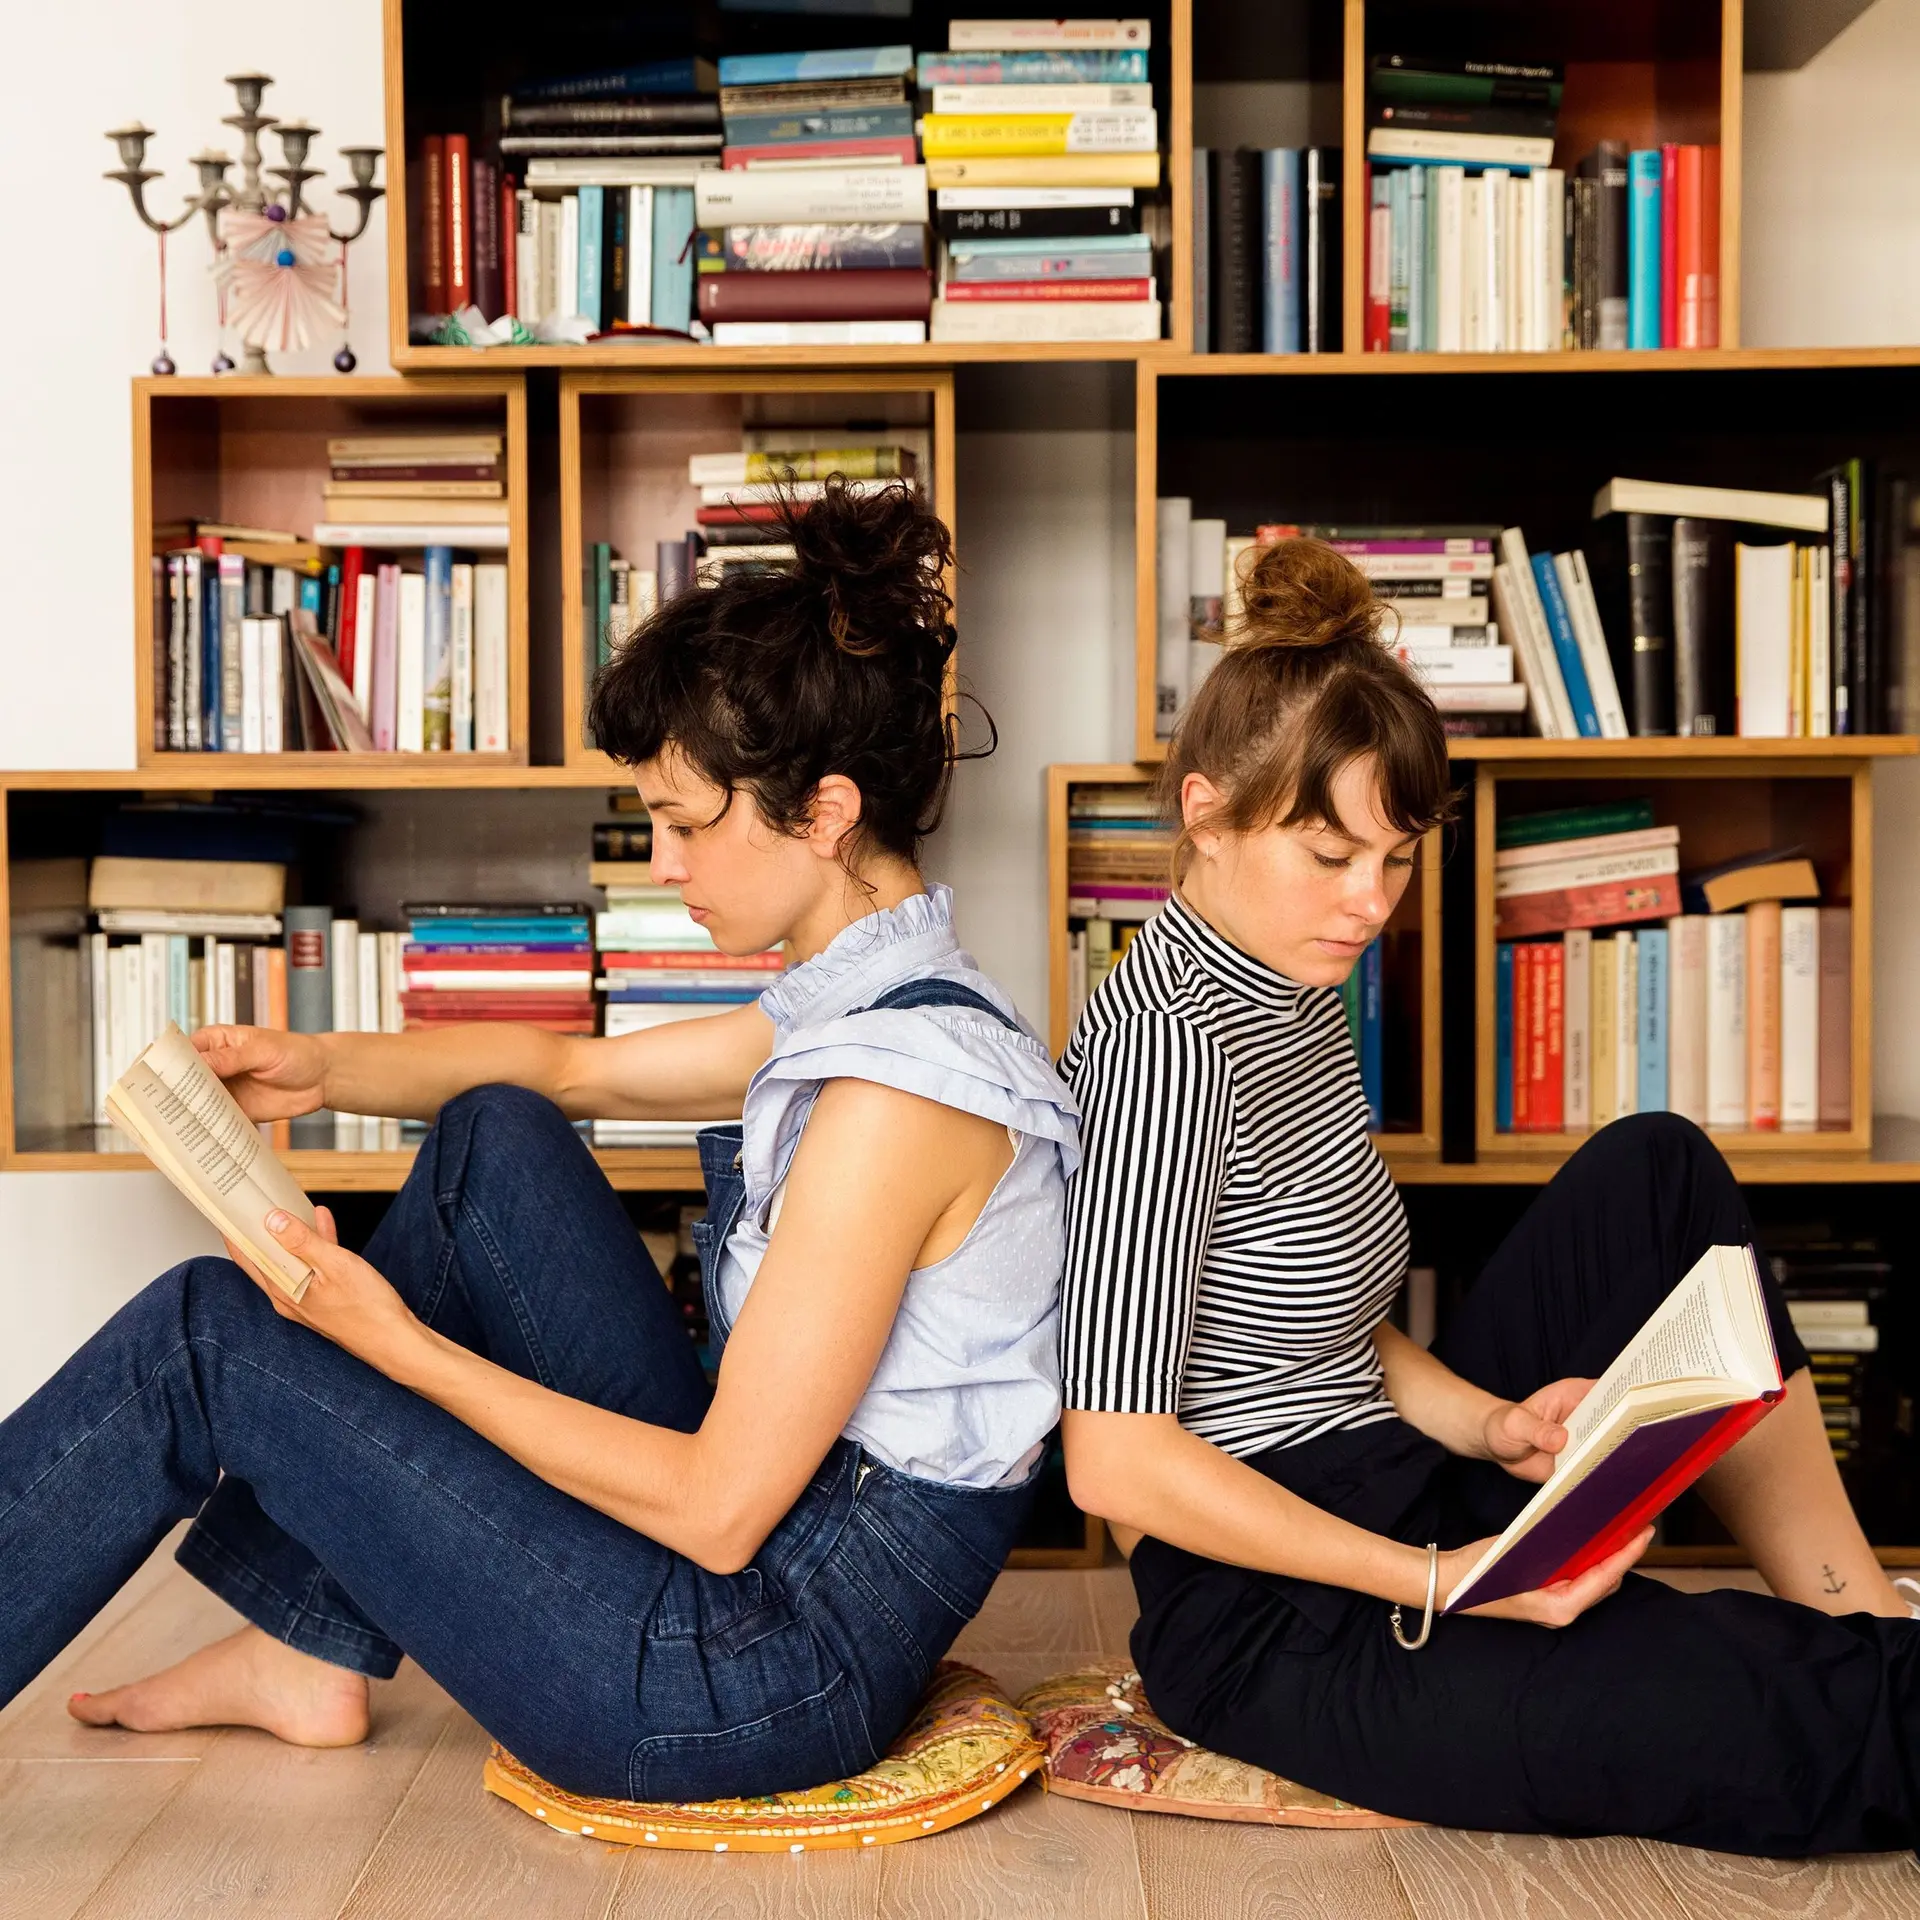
{"x": 833, "y": 814}
{"x": 1200, "y": 799}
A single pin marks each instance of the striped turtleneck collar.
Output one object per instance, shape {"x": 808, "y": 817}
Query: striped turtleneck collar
{"x": 1224, "y": 963}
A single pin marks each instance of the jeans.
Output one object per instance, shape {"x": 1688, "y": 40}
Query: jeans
{"x": 348, "y": 1517}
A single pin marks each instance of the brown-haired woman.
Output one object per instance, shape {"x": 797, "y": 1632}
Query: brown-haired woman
{"x": 489, "y": 1444}
{"x": 1278, "y": 1457}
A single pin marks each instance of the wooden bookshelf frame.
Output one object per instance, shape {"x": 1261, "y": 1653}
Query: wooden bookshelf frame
{"x": 1399, "y": 1148}
{"x": 579, "y": 387}
{"x": 151, "y": 396}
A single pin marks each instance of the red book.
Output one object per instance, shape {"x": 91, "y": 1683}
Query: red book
{"x": 1522, "y": 1077}
{"x": 353, "y": 563}
{"x": 1708, "y": 1373}
{"x": 484, "y": 199}
{"x": 459, "y": 229}
{"x": 1379, "y": 272}
{"x": 433, "y": 223}
{"x": 1047, "y": 290}
{"x": 1537, "y": 1039}
{"x": 1522, "y": 915}
{"x": 1549, "y": 1093}
{"x": 1709, "y": 246}
{"x": 763, "y": 514}
{"x": 509, "y": 223}
{"x": 1669, "y": 243}
{"x": 1686, "y": 248}
{"x": 854, "y": 293}
{"x": 888, "y": 147}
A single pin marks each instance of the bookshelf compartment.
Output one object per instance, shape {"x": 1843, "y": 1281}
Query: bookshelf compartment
{"x": 625, "y": 440}
{"x": 253, "y": 451}
{"x": 1722, "y": 812}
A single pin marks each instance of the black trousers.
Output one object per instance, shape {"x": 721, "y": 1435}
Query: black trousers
{"x": 1726, "y": 1720}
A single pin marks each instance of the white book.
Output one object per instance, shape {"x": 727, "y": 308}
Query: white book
{"x": 820, "y": 333}
{"x": 1064, "y": 97}
{"x": 1013, "y": 36}
{"x": 526, "y": 259}
{"x": 1016, "y": 320}
{"x": 226, "y": 992}
{"x": 1799, "y": 1019}
{"x": 1473, "y": 265}
{"x": 1494, "y": 151}
{"x": 1827, "y": 1313}
{"x": 154, "y": 1011}
{"x": 1076, "y": 977}
{"x": 1797, "y": 512}
{"x": 1763, "y": 640}
{"x": 1207, "y": 587}
{"x": 551, "y": 223}
{"x": 392, "y": 1020}
{"x": 1459, "y": 603}
{"x": 640, "y": 256}
{"x": 1820, "y": 646}
{"x": 1173, "y": 519}
{"x": 1626, "y": 1023}
{"x": 344, "y": 979}
{"x": 125, "y": 993}
{"x": 566, "y": 287}
{"x": 618, "y": 170}
{"x": 410, "y": 723}
{"x": 1417, "y": 633}
{"x": 366, "y": 601}
{"x": 1583, "y": 610}
{"x": 1533, "y": 652}
{"x": 986, "y": 199}
{"x": 367, "y": 1016}
{"x": 1577, "y": 1038}
{"x": 1836, "y": 1336}
{"x": 460, "y": 705}
{"x": 410, "y": 538}
{"x": 283, "y": 593}
{"x": 252, "y": 673}
{"x": 99, "y": 1005}
{"x": 1446, "y": 193}
{"x": 1521, "y": 267}
{"x": 490, "y": 657}
{"x": 796, "y": 196}
{"x": 1596, "y": 870}
{"x": 1687, "y": 1016}
{"x": 1447, "y": 699}
{"x": 1494, "y": 267}
{"x": 1549, "y": 221}
{"x": 1726, "y": 1020}
{"x": 1459, "y": 666}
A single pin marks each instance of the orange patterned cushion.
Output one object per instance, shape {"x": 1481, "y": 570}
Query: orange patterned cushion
{"x": 966, "y": 1748}
{"x": 1104, "y": 1743}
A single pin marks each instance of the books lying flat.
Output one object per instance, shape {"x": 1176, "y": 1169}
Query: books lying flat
{"x": 220, "y": 886}
{"x": 770, "y": 196}
{"x": 1047, "y": 170}
{"x": 1801, "y": 512}
{"x": 385, "y": 533}
{"x": 1691, "y": 1382}
{"x": 1045, "y": 320}
{"x": 192, "y": 1129}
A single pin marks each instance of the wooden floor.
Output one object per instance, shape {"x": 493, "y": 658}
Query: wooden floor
{"x": 117, "y": 1826}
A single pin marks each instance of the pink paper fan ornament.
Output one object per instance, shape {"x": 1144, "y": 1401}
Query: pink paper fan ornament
{"x": 280, "y": 277}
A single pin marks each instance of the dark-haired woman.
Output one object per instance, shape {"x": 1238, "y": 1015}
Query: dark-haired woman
{"x": 1288, "y": 1469}
{"x": 488, "y": 1444}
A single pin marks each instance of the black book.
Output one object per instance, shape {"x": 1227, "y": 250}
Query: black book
{"x": 1537, "y": 120}
{"x": 259, "y": 587}
{"x": 330, "y": 606}
{"x": 1606, "y": 166}
{"x": 1040, "y": 223}
{"x": 1584, "y": 314}
{"x": 1840, "y": 587}
{"x": 577, "y": 116}
{"x": 613, "y": 256}
{"x": 1236, "y": 220}
{"x": 1886, "y": 637}
{"x": 1703, "y": 628}
{"x": 1649, "y": 621}
{"x": 1320, "y": 309}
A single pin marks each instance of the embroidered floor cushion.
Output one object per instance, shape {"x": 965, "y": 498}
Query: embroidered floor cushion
{"x": 1103, "y": 1742}
{"x": 966, "y": 1748}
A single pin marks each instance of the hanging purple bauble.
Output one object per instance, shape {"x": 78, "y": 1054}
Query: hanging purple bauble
{"x": 343, "y": 361}
{"x": 163, "y": 363}
{"x": 276, "y": 213}
{"x": 222, "y": 363}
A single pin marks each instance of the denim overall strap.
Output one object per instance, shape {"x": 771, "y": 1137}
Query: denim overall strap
{"x": 936, "y": 993}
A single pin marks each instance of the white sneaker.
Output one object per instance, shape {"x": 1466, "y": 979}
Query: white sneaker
{"x": 1908, "y": 1589}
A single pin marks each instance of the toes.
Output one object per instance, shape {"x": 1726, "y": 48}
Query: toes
{"x": 94, "y": 1709}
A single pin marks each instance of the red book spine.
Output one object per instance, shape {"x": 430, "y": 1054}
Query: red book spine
{"x": 984, "y": 290}
{"x": 353, "y": 563}
{"x": 891, "y": 147}
{"x": 1709, "y": 246}
{"x": 759, "y": 514}
{"x": 1734, "y": 1425}
{"x": 755, "y": 962}
{"x": 1379, "y": 271}
{"x": 1522, "y": 915}
{"x": 1537, "y": 1039}
{"x": 1549, "y": 1096}
{"x": 459, "y": 236}
{"x": 859, "y": 293}
{"x": 1669, "y": 245}
{"x": 1522, "y": 1074}
{"x": 1687, "y": 243}
{"x": 508, "y": 219}
{"x": 433, "y": 223}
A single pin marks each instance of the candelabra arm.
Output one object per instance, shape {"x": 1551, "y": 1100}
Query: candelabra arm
{"x": 363, "y": 197}
{"x": 135, "y": 181}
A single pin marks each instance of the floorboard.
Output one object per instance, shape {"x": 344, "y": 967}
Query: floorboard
{"x": 1194, "y": 1868}
{"x": 1450, "y": 1875}
{"x": 63, "y": 1825}
{"x": 1861, "y": 1886}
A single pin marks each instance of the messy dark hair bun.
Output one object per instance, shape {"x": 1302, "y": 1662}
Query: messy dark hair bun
{"x": 772, "y": 680}
{"x": 1301, "y": 593}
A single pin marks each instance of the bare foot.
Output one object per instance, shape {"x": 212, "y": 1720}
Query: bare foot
{"x": 245, "y": 1680}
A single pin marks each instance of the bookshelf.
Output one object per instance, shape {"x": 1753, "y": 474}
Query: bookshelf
{"x": 624, "y": 443}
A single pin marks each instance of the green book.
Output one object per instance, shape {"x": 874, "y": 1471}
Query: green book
{"x": 1350, "y": 1005}
{"x": 602, "y": 649}
{"x": 1573, "y": 823}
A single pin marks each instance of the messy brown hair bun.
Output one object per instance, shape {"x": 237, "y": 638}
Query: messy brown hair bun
{"x": 1304, "y": 687}
{"x": 771, "y": 680}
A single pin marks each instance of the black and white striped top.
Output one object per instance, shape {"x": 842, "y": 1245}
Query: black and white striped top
{"x": 1232, "y": 1236}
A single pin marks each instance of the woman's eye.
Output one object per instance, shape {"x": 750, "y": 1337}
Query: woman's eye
{"x": 1329, "y": 860}
{"x": 1400, "y": 860}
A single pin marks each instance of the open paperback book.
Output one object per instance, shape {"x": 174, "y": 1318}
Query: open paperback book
{"x": 1689, "y": 1384}
{"x": 192, "y": 1129}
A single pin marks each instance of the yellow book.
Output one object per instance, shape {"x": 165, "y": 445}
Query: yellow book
{"x": 1049, "y": 170}
{"x": 950, "y": 136}
{"x": 1603, "y": 1049}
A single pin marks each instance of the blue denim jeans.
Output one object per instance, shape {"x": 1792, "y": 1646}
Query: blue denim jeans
{"x": 346, "y": 1516}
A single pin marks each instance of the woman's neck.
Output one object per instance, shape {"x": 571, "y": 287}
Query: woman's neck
{"x": 876, "y": 887}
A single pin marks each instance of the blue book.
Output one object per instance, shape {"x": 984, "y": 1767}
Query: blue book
{"x": 210, "y": 655}
{"x": 1643, "y": 247}
{"x": 835, "y": 63}
{"x": 1018, "y": 246}
{"x": 1566, "y": 649}
{"x": 1651, "y": 1020}
{"x": 1372, "y": 1037}
{"x": 1503, "y": 1037}
{"x": 310, "y": 593}
{"x": 1063, "y": 260}
{"x": 179, "y": 1003}
{"x": 1061, "y": 66}
{"x": 797, "y": 129}
{"x": 648, "y": 78}
{"x": 437, "y": 679}
{"x": 1418, "y": 218}
{"x": 1281, "y": 170}
{"x": 672, "y": 260}
{"x": 593, "y": 220}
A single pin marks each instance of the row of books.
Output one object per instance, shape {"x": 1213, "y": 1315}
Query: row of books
{"x": 1836, "y": 1292}
{"x": 1266, "y": 250}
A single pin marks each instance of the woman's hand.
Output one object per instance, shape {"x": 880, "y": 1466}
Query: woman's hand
{"x": 1524, "y": 1435}
{"x": 274, "y": 1076}
{"x": 1559, "y": 1605}
{"x": 346, "y": 1300}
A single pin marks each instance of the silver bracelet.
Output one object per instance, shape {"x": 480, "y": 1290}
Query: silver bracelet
{"x": 1426, "y": 1625}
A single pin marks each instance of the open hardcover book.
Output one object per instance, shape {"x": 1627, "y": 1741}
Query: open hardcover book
{"x": 1689, "y": 1384}
{"x": 193, "y": 1130}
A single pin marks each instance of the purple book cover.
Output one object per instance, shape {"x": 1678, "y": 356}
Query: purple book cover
{"x": 1607, "y": 1491}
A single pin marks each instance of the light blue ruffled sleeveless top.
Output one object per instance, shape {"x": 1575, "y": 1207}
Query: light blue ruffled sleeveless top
{"x": 968, "y": 1385}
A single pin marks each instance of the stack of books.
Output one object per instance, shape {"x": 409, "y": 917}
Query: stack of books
{"x": 1835, "y": 1292}
{"x": 415, "y": 490}
{"x": 1038, "y": 136}
{"x": 1708, "y": 996}
{"x": 1119, "y": 872}
{"x": 530, "y": 962}
{"x": 814, "y": 233}
{"x": 1267, "y": 250}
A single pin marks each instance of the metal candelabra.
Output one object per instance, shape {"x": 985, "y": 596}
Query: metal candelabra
{"x": 282, "y": 204}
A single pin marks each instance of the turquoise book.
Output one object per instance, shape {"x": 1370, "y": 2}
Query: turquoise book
{"x": 1566, "y": 649}
{"x": 1643, "y": 247}
{"x": 1503, "y": 1037}
{"x": 593, "y": 216}
{"x": 1373, "y": 1059}
{"x": 1281, "y": 171}
{"x": 1651, "y": 1022}
{"x": 673, "y": 258}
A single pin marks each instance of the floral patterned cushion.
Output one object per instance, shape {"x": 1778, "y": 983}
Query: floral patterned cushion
{"x": 1103, "y": 1742}
{"x": 966, "y": 1748}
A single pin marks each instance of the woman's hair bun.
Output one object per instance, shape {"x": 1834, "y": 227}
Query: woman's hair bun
{"x": 1301, "y": 593}
{"x": 878, "y": 560}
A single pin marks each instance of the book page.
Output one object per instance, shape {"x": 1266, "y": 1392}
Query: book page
{"x": 193, "y": 1130}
